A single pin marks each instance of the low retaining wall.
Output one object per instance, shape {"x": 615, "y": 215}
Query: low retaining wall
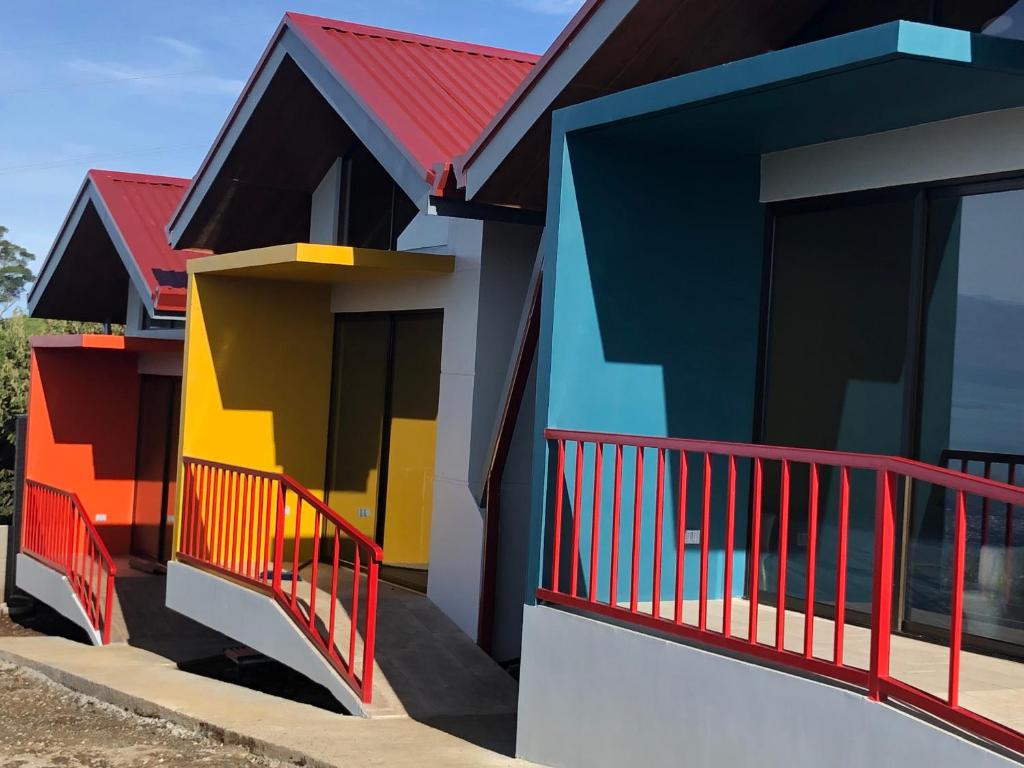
{"x": 594, "y": 694}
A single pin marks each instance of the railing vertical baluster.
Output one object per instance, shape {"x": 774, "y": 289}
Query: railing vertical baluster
{"x": 659, "y": 516}
{"x": 783, "y": 547}
{"x": 577, "y": 513}
{"x": 638, "y": 491}
{"x": 218, "y": 514}
{"x": 1011, "y": 479}
{"x": 812, "y": 561}
{"x": 279, "y": 539}
{"x": 680, "y": 539}
{"x": 730, "y": 534}
{"x": 250, "y": 527}
{"x": 314, "y": 566}
{"x": 334, "y": 591}
{"x": 956, "y": 611}
{"x": 985, "y": 505}
{"x": 705, "y": 546}
{"x": 841, "y": 547}
{"x": 755, "y": 549}
{"x": 354, "y": 615}
{"x": 613, "y": 576}
{"x": 556, "y": 539}
{"x": 370, "y": 640}
{"x": 595, "y": 525}
{"x": 296, "y": 545}
{"x": 186, "y": 512}
{"x": 237, "y": 534}
{"x": 881, "y": 606}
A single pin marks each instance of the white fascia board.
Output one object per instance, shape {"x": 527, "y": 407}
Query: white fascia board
{"x": 60, "y": 244}
{"x": 214, "y": 161}
{"x": 542, "y": 92}
{"x": 387, "y": 150}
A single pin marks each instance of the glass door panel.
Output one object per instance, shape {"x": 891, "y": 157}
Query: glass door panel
{"x": 357, "y": 419}
{"x": 837, "y": 364}
{"x": 972, "y": 410}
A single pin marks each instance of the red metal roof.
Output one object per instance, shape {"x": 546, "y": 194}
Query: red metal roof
{"x": 434, "y": 96}
{"x": 140, "y": 205}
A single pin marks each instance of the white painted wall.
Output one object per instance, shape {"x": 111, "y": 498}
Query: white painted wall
{"x": 990, "y": 142}
{"x": 457, "y": 526}
{"x": 593, "y": 694}
{"x": 474, "y": 362}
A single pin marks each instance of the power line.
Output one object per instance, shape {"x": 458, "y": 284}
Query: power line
{"x": 13, "y": 169}
{"x": 100, "y": 81}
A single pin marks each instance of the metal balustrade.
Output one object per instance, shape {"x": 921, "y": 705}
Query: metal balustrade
{"x": 250, "y": 525}
{"x": 57, "y": 531}
{"x": 670, "y": 498}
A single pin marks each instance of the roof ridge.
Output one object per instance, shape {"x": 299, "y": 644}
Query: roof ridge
{"x": 457, "y": 46}
{"x": 140, "y": 178}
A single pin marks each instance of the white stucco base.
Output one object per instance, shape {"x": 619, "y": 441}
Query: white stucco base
{"x": 594, "y": 694}
{"x": 52, "y": 588}
{"x": 255, "y": 620}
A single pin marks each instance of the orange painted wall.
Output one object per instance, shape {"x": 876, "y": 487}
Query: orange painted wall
{"x": 82, "y": 427}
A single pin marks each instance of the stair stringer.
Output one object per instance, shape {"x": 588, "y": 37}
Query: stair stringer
{"x": 254, "y": 619}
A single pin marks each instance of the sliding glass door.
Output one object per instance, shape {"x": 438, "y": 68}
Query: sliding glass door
{"x": 896, "y": 326}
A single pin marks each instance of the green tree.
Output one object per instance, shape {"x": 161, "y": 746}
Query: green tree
{"x": 15, "y": 274}
{"x": 15, "y": 332}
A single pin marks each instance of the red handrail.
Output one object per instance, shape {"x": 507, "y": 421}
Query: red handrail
{"x": 235, "y": 523}
{"x": 794, "y": 471}
{"x": 57, "y": 531}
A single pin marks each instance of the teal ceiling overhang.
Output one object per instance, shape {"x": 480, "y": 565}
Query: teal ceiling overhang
{"x": 882, "y": 78}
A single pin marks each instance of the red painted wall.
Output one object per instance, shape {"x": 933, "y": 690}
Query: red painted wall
{"x": 82, "y": 422}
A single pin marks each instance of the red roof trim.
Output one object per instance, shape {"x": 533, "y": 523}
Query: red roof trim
{"x": 105, "y": 342}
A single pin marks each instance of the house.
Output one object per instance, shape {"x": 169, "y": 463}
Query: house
{"x": 777, "y": 446}
{"x": 101, "y": 448}
{"x": 346, "y": 352}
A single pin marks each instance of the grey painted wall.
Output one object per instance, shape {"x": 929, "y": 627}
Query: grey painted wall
{"x": 51, "y": 588}
{"x": 594, "y": 694}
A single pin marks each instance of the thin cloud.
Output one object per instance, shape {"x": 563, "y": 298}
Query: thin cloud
{"x": 551, "y": 7}
{"x": 185, "y": 71}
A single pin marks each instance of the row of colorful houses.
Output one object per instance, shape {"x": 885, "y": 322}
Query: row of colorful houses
{"x": 677, "y": 367}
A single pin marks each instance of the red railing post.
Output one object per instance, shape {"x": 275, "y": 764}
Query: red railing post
{"x": 956, "y": 609}
{"x": 371, "y": 630}
{"x": 279, "y": 539}
{"x": 881, "y": 603}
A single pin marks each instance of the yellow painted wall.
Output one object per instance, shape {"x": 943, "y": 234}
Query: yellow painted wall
{"x": 257, "y": 377}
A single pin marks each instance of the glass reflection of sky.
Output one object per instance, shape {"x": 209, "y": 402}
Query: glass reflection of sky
{"x": 988, "y": 383}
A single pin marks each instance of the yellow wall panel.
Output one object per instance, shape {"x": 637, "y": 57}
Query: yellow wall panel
{"x": 257, "y": 376}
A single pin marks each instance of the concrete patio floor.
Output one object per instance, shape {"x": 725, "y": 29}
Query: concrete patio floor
{"x": 149, "y": 684}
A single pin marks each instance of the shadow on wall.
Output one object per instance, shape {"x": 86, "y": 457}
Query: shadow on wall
{"x": 660, "y": 289}
{"x": 91, "y": 399}
{"x": 270, "y": 343}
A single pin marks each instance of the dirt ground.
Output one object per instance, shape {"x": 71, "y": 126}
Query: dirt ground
{"x": 44, "y": 725}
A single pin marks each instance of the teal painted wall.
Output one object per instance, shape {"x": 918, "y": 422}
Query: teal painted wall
{"x": 651, "y": 323}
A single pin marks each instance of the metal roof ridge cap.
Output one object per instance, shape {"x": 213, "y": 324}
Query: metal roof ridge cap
{"x": 461, "y": 46}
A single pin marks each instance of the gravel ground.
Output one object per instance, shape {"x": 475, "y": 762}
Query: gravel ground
{"x": 44, "y": 725}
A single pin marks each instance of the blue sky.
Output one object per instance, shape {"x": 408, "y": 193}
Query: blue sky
{"x": 145, "y": 85}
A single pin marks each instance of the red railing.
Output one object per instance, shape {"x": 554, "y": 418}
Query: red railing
{"x": 671, "y": 495}
{"x": 263, "y": 529}
{"x": 57, "y": 531}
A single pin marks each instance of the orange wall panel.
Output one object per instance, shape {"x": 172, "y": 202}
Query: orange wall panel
{"x": 82, "y": 428}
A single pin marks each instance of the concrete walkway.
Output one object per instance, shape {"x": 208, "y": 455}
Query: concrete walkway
{"x": 149, "y": 684}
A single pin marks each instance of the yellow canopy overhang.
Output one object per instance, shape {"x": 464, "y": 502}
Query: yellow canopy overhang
{"x": 309, "y": 262}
